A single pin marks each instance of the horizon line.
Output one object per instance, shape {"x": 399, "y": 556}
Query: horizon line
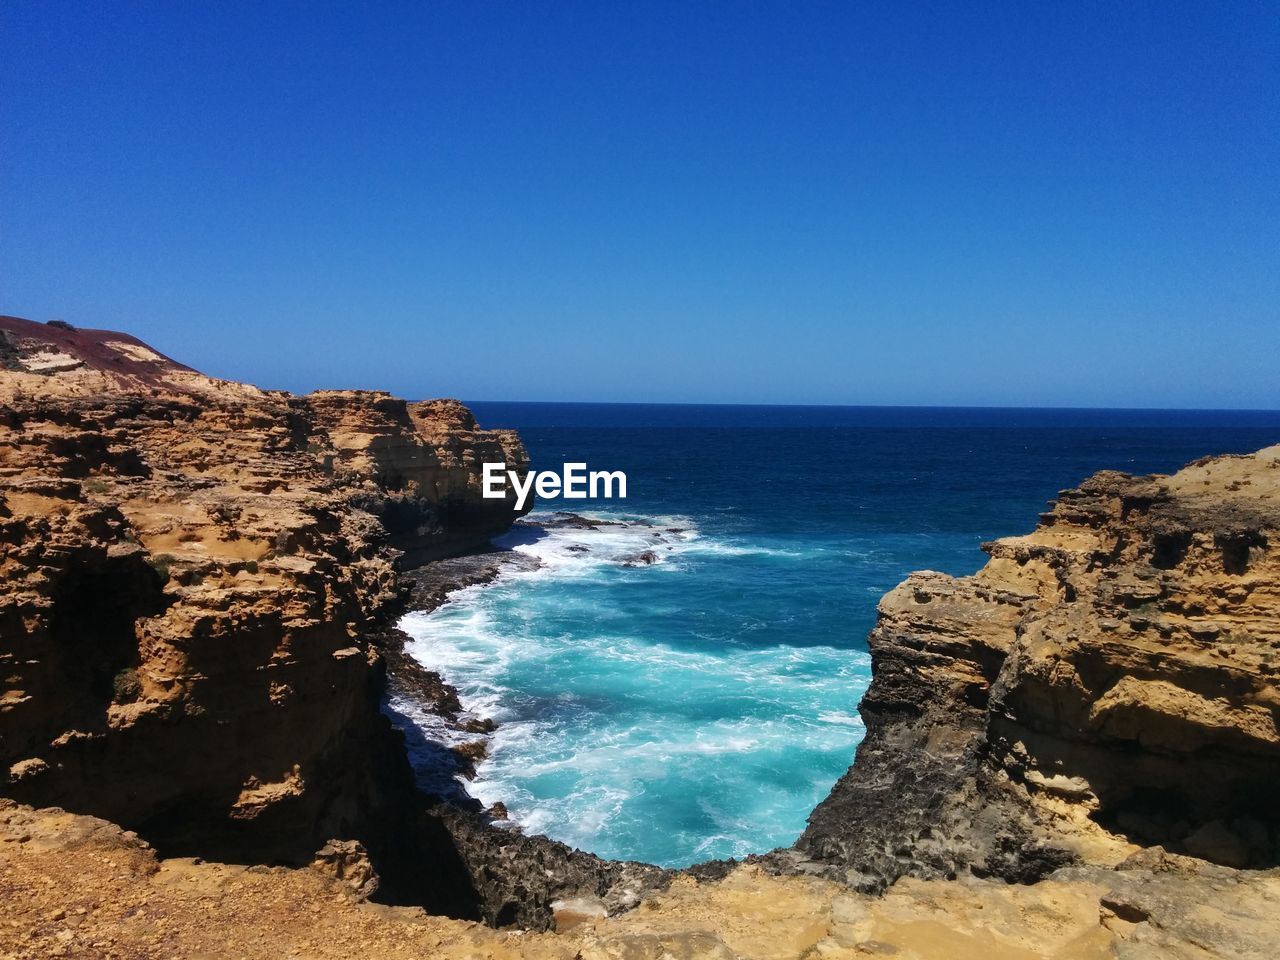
{"x": 871, "y": 406}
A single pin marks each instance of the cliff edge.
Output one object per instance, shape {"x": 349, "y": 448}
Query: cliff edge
{"x": 1104, "y": 684}
{"x": 199, "y": 579}
{"x": 193, "y": 572}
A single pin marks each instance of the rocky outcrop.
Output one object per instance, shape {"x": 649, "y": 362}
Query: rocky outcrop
{"x": 199, "y": 582}
{"x": 193, "y": 570}
{"x": 1106, "y": 683}
{"x": 420, "y": 465}
{"x": 79, "y": 887}
{"x": 527, "y": 881}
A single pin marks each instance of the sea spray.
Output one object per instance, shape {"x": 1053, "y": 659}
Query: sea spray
{"x": 699, "y": 701}
{"x": 621, "y": 704}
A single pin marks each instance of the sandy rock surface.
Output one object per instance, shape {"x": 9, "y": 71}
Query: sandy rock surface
{"x": 79, "y": 887}
{"x": 198, "y": 586}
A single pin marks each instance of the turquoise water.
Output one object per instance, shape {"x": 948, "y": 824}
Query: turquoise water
{"x": 699, "y": 706}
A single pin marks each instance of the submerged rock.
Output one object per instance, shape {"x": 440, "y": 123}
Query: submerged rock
{"x": 563, "y": 520}
{"x": 643, "y": 559}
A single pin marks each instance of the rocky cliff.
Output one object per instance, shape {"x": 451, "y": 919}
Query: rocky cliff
{"x": 78, "y": 887}
{"x": 199, "y": 580}
{"x": 193, "y": 571}
{"x": 1105, "y": 683}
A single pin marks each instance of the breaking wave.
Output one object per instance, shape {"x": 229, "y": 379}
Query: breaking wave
{"x": 652, "y": 703}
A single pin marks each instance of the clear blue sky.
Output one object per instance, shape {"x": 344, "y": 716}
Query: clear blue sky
{"x": 1012, "y": 204}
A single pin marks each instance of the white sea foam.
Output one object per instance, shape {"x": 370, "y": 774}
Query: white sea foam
{"x": 592, "y": 716}
{"x": 841, "y": 718}
{"x": 620, "y": 539}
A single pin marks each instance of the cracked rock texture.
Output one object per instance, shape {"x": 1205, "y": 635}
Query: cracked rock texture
{"x": 199, "y": 579}
{"x": 192, "y": 570}
{"x": 1105, "y": 683}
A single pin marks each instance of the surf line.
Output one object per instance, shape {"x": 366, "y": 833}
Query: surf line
{"x": 574, "y": 482}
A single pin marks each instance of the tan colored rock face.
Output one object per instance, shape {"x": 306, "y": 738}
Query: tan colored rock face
{"x": 1107, "y": 681}
{"x": 428, "y": 453}
{"x": 191, "y": 569}
{"x": 1153, "y": 675}
{"x": 79, "y": 887}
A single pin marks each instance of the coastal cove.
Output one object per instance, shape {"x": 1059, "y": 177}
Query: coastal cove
{"x": 207, "y": 682}
{"x": 869, "y": 546}
{"x": 634, "y": 722}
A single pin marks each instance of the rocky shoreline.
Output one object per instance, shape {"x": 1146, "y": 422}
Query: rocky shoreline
{"x": 201, "y": 587}
{"x": 426, "y": 588}
{"x": 1106, "y": 684}
{"x": 952, "y": 782}
{"x": 527, "y": 881}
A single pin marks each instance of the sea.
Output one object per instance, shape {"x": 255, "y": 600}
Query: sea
{"x": 682, "y": 683}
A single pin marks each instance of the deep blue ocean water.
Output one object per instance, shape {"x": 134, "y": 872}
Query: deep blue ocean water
{"x": 700, "y": 706}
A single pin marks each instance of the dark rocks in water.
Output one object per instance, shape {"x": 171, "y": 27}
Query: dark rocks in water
{"x": 426, "y": 588}
{"x": 563, "y": 520}
{"x": 498, "y": 811}
{"x": 578, "y": 548}
{"x": 473, "y": 752}
{"x": 431, "y": 584}
{"x": 641, "y": 559}
{"x": 567, "y": 521}
{"x": 479, "y": 725}
{"x": 516, "y": 878}
{"x": 409, "y": 679}
{"x": 470, "y": 755}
